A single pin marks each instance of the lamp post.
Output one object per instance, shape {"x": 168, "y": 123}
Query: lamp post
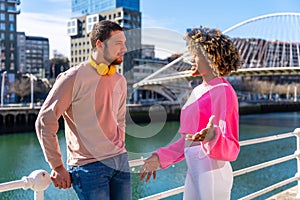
{"x": 31, "y": 89}
{"x": 2, "y": 87}
{"x": 32, "y": 79}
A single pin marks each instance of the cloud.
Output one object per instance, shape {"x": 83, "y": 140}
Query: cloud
{"x": 44, "y": 25}
{"x": 166, "y": 41}
{"x": 149, "y": 21}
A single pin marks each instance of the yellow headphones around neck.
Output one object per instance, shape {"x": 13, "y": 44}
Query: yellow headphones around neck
{"x": 103, "y": 69}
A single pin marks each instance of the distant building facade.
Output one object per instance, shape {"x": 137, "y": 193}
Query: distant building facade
{"x": 33, "y": 55}
{"x": 8, "y": 35}
{"x": 86, "y": 7}
{"x": 125, "y": 13}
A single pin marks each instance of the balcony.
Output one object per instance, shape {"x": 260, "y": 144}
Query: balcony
{"x": 13, "y": 11}
{"x": 14, "y": 1}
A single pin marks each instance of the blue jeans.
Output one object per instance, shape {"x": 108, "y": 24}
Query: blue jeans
{"x": 108, "y": 179}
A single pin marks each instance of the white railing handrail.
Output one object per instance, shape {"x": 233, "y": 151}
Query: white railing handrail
{"x": 296, "y": 133}
{"x": 39, "y": 180}
{"x": 264, "y": 165}
{"x": 139, "y": 162}
{"x": 266, "y": 139}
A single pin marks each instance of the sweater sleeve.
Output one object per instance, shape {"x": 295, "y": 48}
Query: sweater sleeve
{"x": 225, "y": 145}
{"x": 121, "y": 118}
{"x": 171, "y": 154}
{"x": 46, "y": 125}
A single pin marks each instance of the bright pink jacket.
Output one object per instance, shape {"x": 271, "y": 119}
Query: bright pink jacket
{"x": 218, "y": 98}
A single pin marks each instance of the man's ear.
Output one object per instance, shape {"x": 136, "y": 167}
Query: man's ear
{"x": 98, "y": 44}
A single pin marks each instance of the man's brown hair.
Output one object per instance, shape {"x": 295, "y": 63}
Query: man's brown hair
{"x": 102, "y": 31}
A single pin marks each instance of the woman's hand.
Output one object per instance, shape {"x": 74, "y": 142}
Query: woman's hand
{"x": 149, "y": 168}
{"x": 205, "y": 134}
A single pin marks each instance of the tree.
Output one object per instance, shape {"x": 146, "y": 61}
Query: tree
{"x": 58, "y": 65}
{"x": 21, "y": 86}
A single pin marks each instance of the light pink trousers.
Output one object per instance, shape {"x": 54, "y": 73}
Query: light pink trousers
{"x": 207, "y": 178}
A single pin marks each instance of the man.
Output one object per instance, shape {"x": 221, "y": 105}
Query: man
{"x": 92, "y": 99}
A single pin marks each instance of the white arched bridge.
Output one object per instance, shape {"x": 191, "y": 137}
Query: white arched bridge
{"x": 268, "y": 45}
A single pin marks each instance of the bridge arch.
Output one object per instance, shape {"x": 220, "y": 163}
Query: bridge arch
{"x": 260, "y": 18}
{"x": 264, "y": 51}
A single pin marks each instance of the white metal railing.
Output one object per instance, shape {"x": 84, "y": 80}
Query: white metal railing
{"x": 39, "y": 180}
{"x": 248, "y": 169}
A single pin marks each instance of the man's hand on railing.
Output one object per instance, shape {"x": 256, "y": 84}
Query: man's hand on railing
{"x": 61, "y": 177}
{"x": 149, "y": 168}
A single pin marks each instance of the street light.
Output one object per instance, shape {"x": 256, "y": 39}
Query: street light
{"x": 32, "y": 79}
{"x": 2, "y": 87}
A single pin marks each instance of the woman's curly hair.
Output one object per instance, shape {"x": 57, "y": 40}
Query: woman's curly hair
{"x": 223, "y": 56}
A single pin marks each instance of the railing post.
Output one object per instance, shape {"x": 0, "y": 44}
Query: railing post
{"x": 297, "y": 134}
{"x": 38, "y": 181}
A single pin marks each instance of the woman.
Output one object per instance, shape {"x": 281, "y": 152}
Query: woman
{"x": 208, "y": 121}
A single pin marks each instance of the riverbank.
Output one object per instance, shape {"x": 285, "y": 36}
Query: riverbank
{"x": 22, "y": 119}
{"x": 268, "y": 107}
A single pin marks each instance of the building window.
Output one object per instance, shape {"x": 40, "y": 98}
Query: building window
{"x": 11, "y": 18}
{"x": 2, "y": 26}
{"x": 11, "y": 27}
{"x": 2, "y": 16}
{"x": 2, "y": 6}
{"x": 12, "y": 66}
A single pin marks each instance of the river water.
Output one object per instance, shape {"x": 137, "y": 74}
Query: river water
{"x": 20, "y": 154}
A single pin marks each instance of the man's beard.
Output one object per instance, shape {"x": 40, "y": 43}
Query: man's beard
{"x": 117, "y": 61}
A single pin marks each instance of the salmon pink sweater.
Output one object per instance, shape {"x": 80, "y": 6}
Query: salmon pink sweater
{"x": 218, "y": 98}
{"x": 93, "y": 108}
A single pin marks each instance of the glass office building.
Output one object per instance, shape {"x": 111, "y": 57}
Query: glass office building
{"x": 8, "y": 35}
{"x": 87, "y": 7}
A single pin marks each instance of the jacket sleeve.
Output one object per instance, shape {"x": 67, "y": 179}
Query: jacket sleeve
{"x": 224, "y": 105}
{"x": 46, "y": 125}
{"x": 171, "y": 154}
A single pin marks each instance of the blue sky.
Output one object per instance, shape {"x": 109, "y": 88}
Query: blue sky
{"x": 47, "y": 18}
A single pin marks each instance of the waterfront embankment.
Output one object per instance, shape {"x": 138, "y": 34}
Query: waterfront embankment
{"x": 22, "y": 119}
{"x": 268, "y": 107}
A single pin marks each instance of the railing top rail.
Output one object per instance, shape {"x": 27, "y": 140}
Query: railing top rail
{"x": 267, "y": 139}
{"x": 138, "y": 162}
